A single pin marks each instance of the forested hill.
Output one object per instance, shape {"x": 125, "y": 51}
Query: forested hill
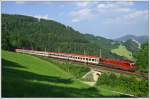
{"x": 20, "y": 31}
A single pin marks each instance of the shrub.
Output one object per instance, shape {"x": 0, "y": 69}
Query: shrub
{"x": 128, "y": 84}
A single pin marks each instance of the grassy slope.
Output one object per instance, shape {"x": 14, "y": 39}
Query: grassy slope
{"x": 29, "y": 76}
{"x": 122, "y": 51}
{"x": 77, "y": 70}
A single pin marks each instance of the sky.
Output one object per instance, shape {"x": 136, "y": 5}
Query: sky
{"x": 111, "y": 19}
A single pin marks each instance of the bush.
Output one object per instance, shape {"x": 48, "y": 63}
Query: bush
{"x": 128, "y": 84}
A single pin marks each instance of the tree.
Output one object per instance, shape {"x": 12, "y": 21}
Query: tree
{"x": 142, "y": 58}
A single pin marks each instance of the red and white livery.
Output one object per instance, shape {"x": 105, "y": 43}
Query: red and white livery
{"x": 122, "y": 64}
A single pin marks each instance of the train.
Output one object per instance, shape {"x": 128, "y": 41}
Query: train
{"x": 120, "y": 64}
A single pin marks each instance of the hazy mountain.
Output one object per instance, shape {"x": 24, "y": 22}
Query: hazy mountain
{"x": 141, "y": 39}
{"x": 132, "y": 45}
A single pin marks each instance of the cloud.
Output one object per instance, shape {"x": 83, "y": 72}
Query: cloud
{"x": 82, "y": 4}
{"x": 114, "y": 4}
{"x": 131, "y": 18}
{"x": 108, "y": 12}
{"x": 115, "y": 10}
{"x": 143, "y": 14}
{"x": 83, "y": 14}
{"x": 75, "y": 20}
{"x": 105, "y": 5}
{"x": 41, "y": 16}
{"x": 35, "y": 2}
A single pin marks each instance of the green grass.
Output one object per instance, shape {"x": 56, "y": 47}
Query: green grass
{"x": 77, "y": 70}
{"x": 29, "y": 76}
{"x": 123, "y": 51}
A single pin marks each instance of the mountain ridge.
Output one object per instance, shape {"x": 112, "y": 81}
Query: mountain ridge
{"x": 141, "y": 39}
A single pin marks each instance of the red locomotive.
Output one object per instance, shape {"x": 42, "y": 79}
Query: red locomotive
{"x": 121, "y": 64}
{"x": 125, "y": 65}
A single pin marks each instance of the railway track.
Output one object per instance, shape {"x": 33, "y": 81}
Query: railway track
{"x": 103, "y": 68}
{"x": 138, "y": 75}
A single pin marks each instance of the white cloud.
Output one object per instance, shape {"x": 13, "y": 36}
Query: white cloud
{"x": 143, "y": 14}
{"x": 82, "y": 14}
{"x": 117, "y": 4}
{"x": 131, "y": 18}
{"x": 82, "y": 4}
{"x": 41, "y": 16}
{"x": 35, "y": 2}
{"x": 110, "y": 12}
{"x": 75, "y": 20}
{"x": 105, "y": 5}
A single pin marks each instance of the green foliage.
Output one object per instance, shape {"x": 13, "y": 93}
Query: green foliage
{"x": 77, "y": 71}
{"x": 143, "y": 58}
{"x": 27, "y": 32}
{"x": 127, "y": 84}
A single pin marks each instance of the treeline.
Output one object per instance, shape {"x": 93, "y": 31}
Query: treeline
{"x": 31, "y": 33}
{"x": 143, "y": 58}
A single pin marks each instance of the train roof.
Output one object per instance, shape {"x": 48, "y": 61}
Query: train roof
{"x": 83, "y": 56}
{"x": 124, "y": 61}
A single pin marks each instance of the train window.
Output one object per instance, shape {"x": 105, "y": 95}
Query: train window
{"x": 89, "y": 59}
{"x": 86, "y": 58}
{"x": 93, "y": 59}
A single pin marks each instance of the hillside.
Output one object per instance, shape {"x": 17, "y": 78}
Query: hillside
{"x": 132, "y": 45}
{"x": 29, "y": 76}
{"x": 123, "y": 51}
{"x": 20, "y": 31}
